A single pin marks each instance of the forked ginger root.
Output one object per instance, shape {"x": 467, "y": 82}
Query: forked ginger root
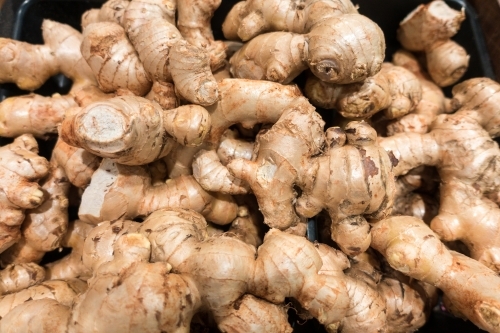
{"x": 394, "y": 89}
{"x": 429, "y": 28}
{"x": 413, "y": 249}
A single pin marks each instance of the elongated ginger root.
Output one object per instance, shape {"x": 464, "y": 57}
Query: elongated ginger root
{"x": 113, "y": 59}
{"x": 250, "y": 18}
{"x": 62, "y": 291}
{"x": 282, "y": 155}
{"x": 231, "y": 147}
{"x": 429, "y": 28}
{"x": 125, "y": 192}
{"x": 394, "y": 89}
{"x": 467, "y": 162}
{"x": 413, "y": 249}
{"x": 20, "y": 168}
{"x": 33, "y": 114}
{"x": 29, "y": 66}
{"x": 165, "y": 55}
{"x": 319, "y": 49}
{"x": 17, "y": 277}
{"x": 110, "y": 11}
{"x": 133, "y": 130}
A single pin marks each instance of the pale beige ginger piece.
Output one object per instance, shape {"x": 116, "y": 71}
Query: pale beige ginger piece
{"x": 16, "y": 277}
{"x": 179, "y": 238}
{"x": 467, "y": 160}
{"x": 32, "y": 317}
{"x": 20, "y": 169}
{"x": 180, "y": 160}
{"x": 394, "y": 90}
{"x": 412, "y": 248}
{"x": 113, "y": 59}
{"x": 44, "y": 226}
{"x": 77, "y": 163}
{"x": 29, "y": 66}
{"x": 232, "y": 146}
{"x": 133, "y": 130}
{"x": 250, "y": 18}
{"x": 432, "y": 104}
{"x": 110, "y": 11}
{"x": 63, "y": 291}
{"x": 283, "y": 153}
{"x": 366, "y": 310}
{"x": 248, "y": 102}
{"x": 343, "y": 49}
{"x": 72, "y": 265}
{"x": 193, "y": 21}
{"x": 353, "y": 181}
{"x": 429, "y": 28}
{"x": 212, "y": 175}
{"x": 142, "y": 296}
{"x": 165, "y": 55}
{"x": 33, "y": 114}
{"x": 252, "y": 314}
{"x": 125, "y": 192}
{"x": 163, "y": 93}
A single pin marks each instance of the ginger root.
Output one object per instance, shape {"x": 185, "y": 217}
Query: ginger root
{"x": 394, "y": 89}
{"x": 429, "y": 28}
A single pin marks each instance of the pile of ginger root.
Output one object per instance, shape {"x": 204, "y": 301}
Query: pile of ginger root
{"x": 200, "y": 185}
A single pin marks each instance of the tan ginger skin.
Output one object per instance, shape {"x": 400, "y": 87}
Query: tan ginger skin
{"x": 133, "y": 130}
{"x": 193, "y": 21}
{"x": 432, "y": 104}
{"x": 165, "y": 55}
{"x": 125, "y": 192}
{"x": 113, "y": 59}
{"x": 319, "y": 49}
{"x": 412, "y": 248}
{"x": 359, "y": 185}
{"x": 466, "y": 158}
{"x": 394, "y": 89}
{"x": 44, "y": 226}
{"x": 20, "y": 169}
{"x": 17, "y": 277}
{"x": 429, "y": 28}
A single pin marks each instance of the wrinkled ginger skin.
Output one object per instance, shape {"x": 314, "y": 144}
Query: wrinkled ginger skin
{"x": 20, "y": 169}
{"x": 429, "y": 28}
{"x": 248, "y": 102}
{"x": 279, "y": 166}
{"x": 193, "y": 21}
{"x": 394, "y": 89}
{"x": 323, "y": 50}
{"x": 163, "y": 93}
{"x": 29, "y": 66}
{"x": 33, "y": 114}
{"x": 332, "y": 184}
{"x": 17, "y": 277}
{"x": 110, "y": 11}
{"x": 250, "y": 18}
{"x": 113, "y": 59}
{"x": 63, "y": 291}
{"x": 412, "y": 248}
{"x": 231, "y": 147}
{"x": 125, "y": 192}
{"x": 133, "y": 130}
{"x": 167, "y": 57}
{"x": 77, "y": 163}
{"x": 467, "y": 160}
